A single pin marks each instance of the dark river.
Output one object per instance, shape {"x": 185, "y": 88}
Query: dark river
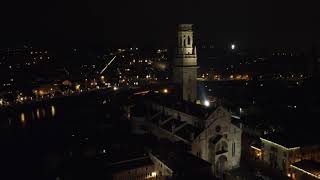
{"x": 35, "y": 138}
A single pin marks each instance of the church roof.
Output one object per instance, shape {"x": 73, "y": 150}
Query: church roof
{"x": 216, "y": 139}
{"x": 173, "y": 102}
{"x": 236, "y": 121}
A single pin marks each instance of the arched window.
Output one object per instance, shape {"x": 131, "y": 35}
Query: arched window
{"x": 233, "y": 149}
{"x": 224, "y": 146}
{"x": 184, "y": 42}
{"x": 189, "y": 40}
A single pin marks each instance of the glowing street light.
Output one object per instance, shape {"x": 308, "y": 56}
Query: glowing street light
{"x": 233, "y": 46}
{"x": 115, "y": 88}
{"x": 206, "y": 103}
{"x": 154, "y": 174}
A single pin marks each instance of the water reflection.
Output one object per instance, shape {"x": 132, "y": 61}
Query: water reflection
{"x": 53, "y": 111}
{"x": 22, "y": 118}
{"x": 36, "y": 114}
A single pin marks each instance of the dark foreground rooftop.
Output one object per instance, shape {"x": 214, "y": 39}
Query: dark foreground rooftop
{"x": 131, "y": 164}
{"x": 181, "y": 161}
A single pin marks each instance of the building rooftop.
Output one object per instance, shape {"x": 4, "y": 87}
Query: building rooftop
{"x": 131, "y": 164}
{"x": 188, "y": 131}
{"x": 180, "y": 161}
{"x": 185, "y": 27}
{"x": 236, "y": 121}
{"x": 308, "y": 166}
{"x": 289, "y": 140}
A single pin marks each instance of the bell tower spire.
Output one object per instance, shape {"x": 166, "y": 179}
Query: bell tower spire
{"x": 185, "y": 63}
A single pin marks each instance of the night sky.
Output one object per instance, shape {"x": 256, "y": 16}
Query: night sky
{"x": 254, "y": 24}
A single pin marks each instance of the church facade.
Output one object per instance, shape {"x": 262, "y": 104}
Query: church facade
{"x": 220, "y": 142}
{"x": 214, "y": 137}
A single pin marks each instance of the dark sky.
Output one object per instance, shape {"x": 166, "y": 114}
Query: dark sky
{"x": 253, "y": 24}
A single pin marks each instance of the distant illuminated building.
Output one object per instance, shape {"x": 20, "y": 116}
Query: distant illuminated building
{"x": 185, "y": 70}
{"x": 287, "y": 154}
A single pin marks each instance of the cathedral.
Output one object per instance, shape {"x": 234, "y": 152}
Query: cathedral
{"x": 220, "y": 141}
{"x": 212, "y": 133}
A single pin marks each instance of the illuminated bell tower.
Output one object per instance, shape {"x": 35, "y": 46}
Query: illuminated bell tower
{"x": 185, "y": 63}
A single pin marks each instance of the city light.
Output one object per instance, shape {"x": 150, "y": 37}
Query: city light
{"x": 153, "y": 174}
{"x": 38, "y": 113}
{"x": 206, "y": 103}
{"x": 22, "y": 117}
{"x": 53, "y": 111}
{"x": 115, "y": 88}
{"x": 233, "y": 46}
{"x": 78, "y": 87}
{"x": 165, "y": 91}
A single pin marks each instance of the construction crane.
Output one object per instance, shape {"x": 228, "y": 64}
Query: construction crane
{"x": 108, "y": 64}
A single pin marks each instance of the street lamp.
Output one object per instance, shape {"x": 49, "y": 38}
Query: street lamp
{"x": 233, "y": 46}
{"x": 206, "y": 103}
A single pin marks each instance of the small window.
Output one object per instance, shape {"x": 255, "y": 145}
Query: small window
{"x": 274, "y": 149}
{"x": 233, "y": 149}
{"x": 218, "y": 128}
